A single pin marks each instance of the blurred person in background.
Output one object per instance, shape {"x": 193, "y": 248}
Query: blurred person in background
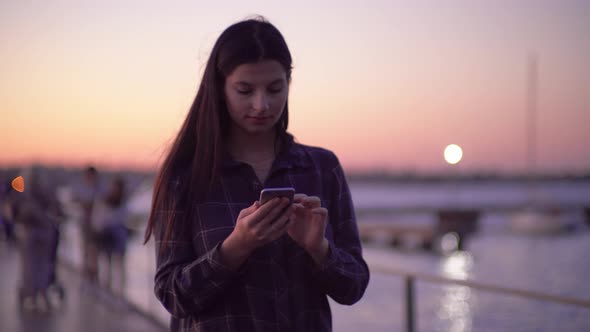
{"x": 224, "y": 261}
{"x": 37, "y": 215}
{"x": 6, "y": 222}
{"x": 85, "y": 194}
{"x": 109, "y": 218}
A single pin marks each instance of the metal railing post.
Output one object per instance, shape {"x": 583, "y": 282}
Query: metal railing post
{"x": 410, "y": 321}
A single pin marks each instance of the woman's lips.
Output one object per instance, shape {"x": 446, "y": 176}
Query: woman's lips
{"x": 258, "y": 119}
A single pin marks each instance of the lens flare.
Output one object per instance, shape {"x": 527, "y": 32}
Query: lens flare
{"x": 18, "y": 184}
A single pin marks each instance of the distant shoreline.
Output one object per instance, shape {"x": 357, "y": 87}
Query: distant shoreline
{"x": 467, "y": 177}
{"x": 365, "y": 176}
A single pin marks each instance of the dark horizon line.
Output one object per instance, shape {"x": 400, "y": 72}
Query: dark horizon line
{"x": 363, "y": 175}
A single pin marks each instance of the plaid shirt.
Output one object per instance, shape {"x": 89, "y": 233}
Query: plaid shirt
{"x": 279, "y": 287}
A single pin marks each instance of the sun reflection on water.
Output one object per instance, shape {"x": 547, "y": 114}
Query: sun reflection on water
{"x": 457, "y": 265}
{"x": 457, "y": 301}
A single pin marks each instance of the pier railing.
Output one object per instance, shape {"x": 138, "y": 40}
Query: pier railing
{"x": 410, "y": 279}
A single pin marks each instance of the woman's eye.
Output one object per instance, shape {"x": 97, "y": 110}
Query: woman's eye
{"x": 244, "y": 92}
{"x": 275, "y": 90}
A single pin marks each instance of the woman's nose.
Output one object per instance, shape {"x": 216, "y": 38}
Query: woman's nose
{"x": 261, "y": 102}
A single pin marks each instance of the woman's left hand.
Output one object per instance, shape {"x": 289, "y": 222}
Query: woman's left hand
{"x": 308, "y": 226}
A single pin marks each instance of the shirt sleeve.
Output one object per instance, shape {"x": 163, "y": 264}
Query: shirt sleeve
{"x": 186, "y": 281}
{"x": 345, "y": 274}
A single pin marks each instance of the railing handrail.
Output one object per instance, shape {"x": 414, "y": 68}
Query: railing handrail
{"x": 487, "y": 207}
{"x": 482, "y": 286}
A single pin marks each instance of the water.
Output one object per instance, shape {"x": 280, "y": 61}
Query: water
{"x": 553, "y": 264}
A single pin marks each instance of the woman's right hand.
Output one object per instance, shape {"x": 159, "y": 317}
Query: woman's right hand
{"x": 256, "y": 226}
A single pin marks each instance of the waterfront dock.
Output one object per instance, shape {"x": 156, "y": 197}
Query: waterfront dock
{"x": 85, "y": 308}
{"x": 470, "y": 289}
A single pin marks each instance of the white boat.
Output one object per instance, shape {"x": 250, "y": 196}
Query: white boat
{"x": 535, "y": 220}
{"x": 541, "y": 214}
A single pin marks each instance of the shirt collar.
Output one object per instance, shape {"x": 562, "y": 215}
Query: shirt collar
{"x": 291, "y": 155}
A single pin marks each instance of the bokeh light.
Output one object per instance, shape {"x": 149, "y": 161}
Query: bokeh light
{"x": 18, "y": 184}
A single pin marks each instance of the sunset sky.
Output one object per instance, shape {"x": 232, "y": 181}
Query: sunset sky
{"x": 384, "y": 84}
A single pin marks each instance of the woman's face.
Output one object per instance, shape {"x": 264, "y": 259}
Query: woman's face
{"x": 255, "y": 94}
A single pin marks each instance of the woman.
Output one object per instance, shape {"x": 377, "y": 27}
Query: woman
{"x": 109, "y": 218}
{"x": 85, "y": 194}
{"x": 224, "y": 262}
{"x": 37, "y": 214}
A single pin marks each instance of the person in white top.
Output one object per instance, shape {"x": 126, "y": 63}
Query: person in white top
{"x": 84, "y": 194}
{"x": 108, "y": 222}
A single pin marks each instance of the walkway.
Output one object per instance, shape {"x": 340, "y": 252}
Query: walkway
{"x": 85, "y": 308}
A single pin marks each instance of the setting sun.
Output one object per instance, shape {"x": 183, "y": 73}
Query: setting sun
{"x": 453, "y": 154}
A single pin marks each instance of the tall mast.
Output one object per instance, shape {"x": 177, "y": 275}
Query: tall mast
{"x": 531, "y": 106}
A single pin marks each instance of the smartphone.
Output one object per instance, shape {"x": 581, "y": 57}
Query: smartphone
{"x": 269, "y": 193}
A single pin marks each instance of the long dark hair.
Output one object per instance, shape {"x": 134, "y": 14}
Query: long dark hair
{"x": 193, "y": 160}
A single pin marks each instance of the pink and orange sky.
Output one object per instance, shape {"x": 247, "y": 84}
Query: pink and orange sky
{"x": 385, "y": 84}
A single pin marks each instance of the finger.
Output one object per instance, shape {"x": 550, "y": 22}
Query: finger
{"x": 312, "y": 202}
{"x": 265, "y": 209}
{"x": 256, "y": 216}
{"x": 298, "y": 198}
{"x": 250, "y": 209}
{"x": 300, "y": 210}
{"x": 320, "y": 213}
{"x": 298, "y": 207}
{"x": 274, "y": 213}
{"x": 280, "y": 232}
{"x": 281, "y": 224}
